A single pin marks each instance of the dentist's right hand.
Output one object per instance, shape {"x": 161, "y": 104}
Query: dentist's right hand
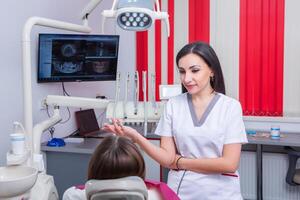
{"x": 118, "y": 128}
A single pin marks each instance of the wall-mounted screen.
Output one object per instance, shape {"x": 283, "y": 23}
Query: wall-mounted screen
{"x": 66, "y": 57}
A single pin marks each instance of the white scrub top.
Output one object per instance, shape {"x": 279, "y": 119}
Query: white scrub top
{"x": 220, "y": 124}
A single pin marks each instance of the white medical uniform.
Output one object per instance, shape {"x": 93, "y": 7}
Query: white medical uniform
{"x": 220, "y": 124}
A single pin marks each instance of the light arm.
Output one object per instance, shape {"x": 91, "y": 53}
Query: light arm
{"x": 157, "y": 6}
{"x": 89, "y": 8}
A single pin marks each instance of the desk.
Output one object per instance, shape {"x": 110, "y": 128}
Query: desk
{"x": 75, "y": 157}
{"x": 289, "y": 139}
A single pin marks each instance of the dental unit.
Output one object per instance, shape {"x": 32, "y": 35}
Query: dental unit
{"x": 25, "y": 176}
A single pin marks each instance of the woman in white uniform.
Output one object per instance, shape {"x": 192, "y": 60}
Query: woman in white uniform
{"x": 201, "y": 131}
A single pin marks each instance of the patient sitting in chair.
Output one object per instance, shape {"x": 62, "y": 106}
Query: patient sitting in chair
{"x": 117, "y": 157}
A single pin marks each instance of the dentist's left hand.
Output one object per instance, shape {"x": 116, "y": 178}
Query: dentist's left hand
{"x": 117, "y": 128}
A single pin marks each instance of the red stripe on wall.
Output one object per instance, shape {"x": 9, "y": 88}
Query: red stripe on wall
{"x": 242, "y": 57}
{"x": 279, "y": 59}
{"x": 261, "y": 57}
{"x": 199, "y": 20}
{"x": 141, "y": 57}
{"x": 171, "y": 43}
{"x": 157, "y": 57}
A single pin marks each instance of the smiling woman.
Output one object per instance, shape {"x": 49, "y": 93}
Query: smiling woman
{"x": 201, "y": 61}
{"x": 195, "y": 76}
{"x": 202, "y": 147}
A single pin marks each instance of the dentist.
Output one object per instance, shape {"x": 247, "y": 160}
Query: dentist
{"x": 201, "y": 131}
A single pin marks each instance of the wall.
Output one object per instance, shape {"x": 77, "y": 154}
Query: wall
{"x": 291, "y": 51}
{"x": 224, "y": 37}
{"x": 14, "y": 14}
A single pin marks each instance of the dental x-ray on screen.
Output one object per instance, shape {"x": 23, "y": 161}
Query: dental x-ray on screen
{"x": 66, "y": 57}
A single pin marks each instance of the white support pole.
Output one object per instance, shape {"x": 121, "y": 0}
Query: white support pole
{"x": 41, "y": 127}
{"x": 26, "y": 51}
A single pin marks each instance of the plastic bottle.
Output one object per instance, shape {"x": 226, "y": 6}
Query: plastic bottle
{"x": 17, "y": 139}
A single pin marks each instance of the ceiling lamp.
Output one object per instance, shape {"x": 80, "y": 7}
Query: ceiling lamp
{"x": 132, "y": 15}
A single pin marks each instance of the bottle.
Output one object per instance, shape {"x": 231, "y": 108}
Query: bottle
{"x": 18, "y": 128}
{"x": 275, "y": 132}
{"x": 17, "y": 139}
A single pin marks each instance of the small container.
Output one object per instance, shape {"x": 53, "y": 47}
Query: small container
{"x": 17, "y": 139}
{"x": 275, "y": 132}
{"x": 251, "y": 132}
{"x": 17, "y": 143}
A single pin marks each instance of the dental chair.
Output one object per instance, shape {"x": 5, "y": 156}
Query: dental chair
{"x": 293, "y": 174}
{"x": 127, "y": 188}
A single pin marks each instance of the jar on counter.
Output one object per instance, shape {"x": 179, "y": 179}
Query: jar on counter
{"x": 275, "y": 132}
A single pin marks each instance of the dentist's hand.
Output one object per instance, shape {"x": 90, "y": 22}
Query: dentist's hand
{"x": 118, "y": 128}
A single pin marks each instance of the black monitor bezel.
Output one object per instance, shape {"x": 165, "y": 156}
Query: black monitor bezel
{"x": 81, "y": 79}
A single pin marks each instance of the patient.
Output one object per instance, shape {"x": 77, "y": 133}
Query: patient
{"x": 117, "y": 157}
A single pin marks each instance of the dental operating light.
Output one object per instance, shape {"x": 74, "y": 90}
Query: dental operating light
{"x": 131, "y": 15}
{"x": 134, "y": 15}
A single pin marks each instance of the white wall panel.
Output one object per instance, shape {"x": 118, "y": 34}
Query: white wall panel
{"x": 291, "y": 98}
{"x": 164, "y": 46}
{"x": 151, "y": 57}
{"x": 224, "y": 38}
{"x": 181, "y": 28}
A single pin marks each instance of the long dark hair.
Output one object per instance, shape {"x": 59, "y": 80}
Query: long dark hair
{"x": 116, "y": 157}
{"x": 206, "y": 52}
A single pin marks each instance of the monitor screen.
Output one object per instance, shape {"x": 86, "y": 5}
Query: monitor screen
{"x": 66, "y": 57}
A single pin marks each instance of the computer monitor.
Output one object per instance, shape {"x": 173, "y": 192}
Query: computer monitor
{"x": 69, "y": 57}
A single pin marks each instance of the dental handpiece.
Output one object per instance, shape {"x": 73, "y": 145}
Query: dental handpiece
{"x": 117, "y": 93}
{"x": 126, "y": 94}
{"x": 145, "y": 102}
{"x": 154, "y": 104}
{"x": 136, "y": 94}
